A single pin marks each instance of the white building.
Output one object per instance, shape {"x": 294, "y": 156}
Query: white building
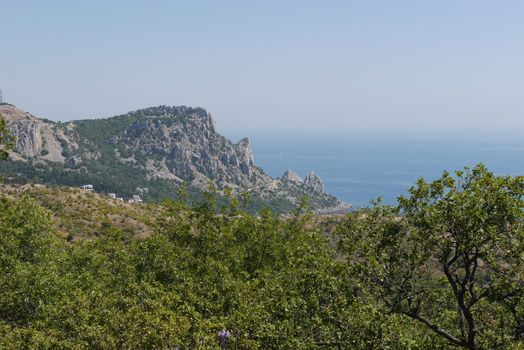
{"x": 112, "y": 195}
{"x": 142, "y": 190}
{"x": 87, "y": 187}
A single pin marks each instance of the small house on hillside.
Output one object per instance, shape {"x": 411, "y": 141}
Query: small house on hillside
{"x": 136, "y": 199}
{"x": 87, "y": 187}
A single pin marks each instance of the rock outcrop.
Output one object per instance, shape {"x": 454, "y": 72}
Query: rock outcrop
{"x": 185, "y": 143}
{"x": 290, "y": 175}
{"x": 35, "y": 138}
{"x": 313, "y": 181}
{"x": 246, "y": 158}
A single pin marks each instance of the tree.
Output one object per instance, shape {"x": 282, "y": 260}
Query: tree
{"x": 27, "y": 278}
{"x": 450, "y": 256}
{"x": 6, "y": 139}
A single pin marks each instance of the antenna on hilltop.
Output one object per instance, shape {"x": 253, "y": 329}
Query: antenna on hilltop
{"x": 1, "y": 99}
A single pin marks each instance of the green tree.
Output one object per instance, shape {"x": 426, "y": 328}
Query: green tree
{"x": 6, "y": 139}
{"x": 450, "y": 256}
{"x": 29, "y": 270}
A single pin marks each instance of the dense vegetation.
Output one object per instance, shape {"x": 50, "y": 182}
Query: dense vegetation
{"x": 6, "y": 139}
{"x": 443, "y": 269}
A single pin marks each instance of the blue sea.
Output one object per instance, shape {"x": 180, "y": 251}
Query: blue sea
{"x": 358, "y": 167}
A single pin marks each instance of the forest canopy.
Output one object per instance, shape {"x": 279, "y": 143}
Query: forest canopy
{"x": 442, "y": 269}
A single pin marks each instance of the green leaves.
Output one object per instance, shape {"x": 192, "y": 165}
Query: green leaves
{"x": 451, "y": 258}
{"x": 6, "y": 139}
{"x": 442, "y": 269}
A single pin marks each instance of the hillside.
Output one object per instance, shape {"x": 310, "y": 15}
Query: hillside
{"x": 78, "y": 213}
{"x": 157, "y": 149}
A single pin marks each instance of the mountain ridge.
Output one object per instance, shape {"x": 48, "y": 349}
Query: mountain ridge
{"x": 156, "y": 147}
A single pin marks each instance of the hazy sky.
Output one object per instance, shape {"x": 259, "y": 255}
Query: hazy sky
{"x": 271, "y": 64}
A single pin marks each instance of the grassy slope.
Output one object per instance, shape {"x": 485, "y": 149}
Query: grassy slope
{"x": 78, "y": 213}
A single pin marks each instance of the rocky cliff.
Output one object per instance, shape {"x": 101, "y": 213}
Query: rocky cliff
{"x": 158, "y": 147}
{"x": 184, "y": 142}
{"x": 313, "y": 181}
{"x": 36, "y": 139}
{"x": 290, "y": 175}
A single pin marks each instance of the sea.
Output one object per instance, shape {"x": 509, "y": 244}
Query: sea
{"x": 360, "y": 166}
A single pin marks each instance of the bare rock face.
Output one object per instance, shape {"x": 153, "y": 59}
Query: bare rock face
{"x": 245, "y": 151}
{"x": 313, "y": 181}
{"x": 34, "y": 138}
{"x": 290, "y": 175}
{"x": 246, "y": 158}
{"x": 188, "y": 146}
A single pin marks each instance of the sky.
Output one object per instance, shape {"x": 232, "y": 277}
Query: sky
{"x": 287, "y": 65}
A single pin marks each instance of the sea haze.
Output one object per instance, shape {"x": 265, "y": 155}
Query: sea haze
{"x": 357, "y": 167}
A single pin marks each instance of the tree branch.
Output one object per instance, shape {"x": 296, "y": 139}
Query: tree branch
{"x": 450, "y": 337}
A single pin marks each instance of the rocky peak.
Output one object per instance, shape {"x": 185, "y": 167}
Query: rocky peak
{"x": 290, "y": 175}
{"x": 12, "y": 113}
{"x": 185, "y": 143}
{"x": 246, "y": 151}
{"x": 313, "y": 181}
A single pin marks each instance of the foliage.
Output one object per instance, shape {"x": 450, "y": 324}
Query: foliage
{"x": 6, "y": 139}
{"x": 275, "y": 282}
{"x": 450, "y": 256}
{"x": 265, "y": 278}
